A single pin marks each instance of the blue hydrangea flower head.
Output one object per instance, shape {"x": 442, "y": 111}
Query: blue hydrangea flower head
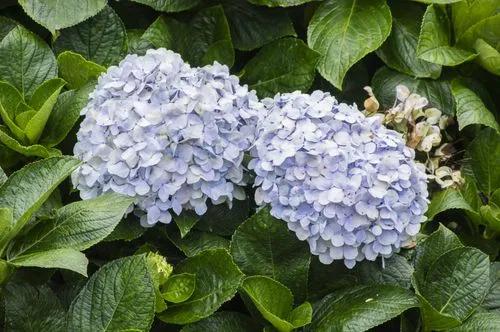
{"x": 167, "y": 134}
{"x": 343, "y": 182}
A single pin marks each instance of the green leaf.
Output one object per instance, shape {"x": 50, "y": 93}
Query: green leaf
{"x": 491, "y": 213}
{"x": 55, "y": 15}
{"x": 492, "y": 299}
{"x": 433, "y": 319}
{"x": 119, "y": 296}
{"x": 10, "y": 100}
{"x": 195, "y": 242}
{"x": 395, "y": 270}
{"x": 185, "y": 222}
{"x": 488, "y": 56}
{"x": 32, "y": 308}
{"x": 447, "y": 199}
{"x": 467, "y": 13}
{"x": 3, "y": 177}
{"x": 128, "y": 229}
{"x": 253, "y": 27}
{"x": 43, "y": 100}
{"x": 217, "y": 280}
{"x": 344, "y": 31}
{"x": 27, "y": 189}
{"x": 6, "y": 222}
{"x": 439, "y": 2}
{"x": 484, "y": 29}
{"x": 484, "y": 151}
{"x": 274, "y": 301}
{"x": 65, "y": 114}
{"x": 137, "y": 44}
{"x": 223, "y": 321}
{"x": 480, "y": 321}
{"x": 279, "y": 3}
{"x": 263, "y": 245}
{"x": 66, "y": 258}
{"x": 101, "y": 39}
{"x": 169, "y": 6}
{"x": 361, "y": 308}
{"x": 434, "y": 41}
{"x": 285, "y": 65}
{"x": 470, "y": 108}
{"x": 35, "y": 150}
{"x": 6, "y": 25}
{"x": 203, "y": 40}
{"x": 222, "y": 220}
{"x": 438, "y": 92}
{"x": 77, "y": 70}
{"x": 179, "y": 287}
{"x": 33, "y": 63}
{"x": 399, "y": 50}
{"x": 160, "y": 271}
{"x": 455, "y": 284}
{"x": 78, "y": 226}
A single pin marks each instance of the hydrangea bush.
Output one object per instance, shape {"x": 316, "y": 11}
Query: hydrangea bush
{"x": 249, "y": 165}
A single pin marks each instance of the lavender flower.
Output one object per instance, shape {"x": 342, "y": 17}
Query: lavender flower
{"x": 341, "y": 181}
{"x": 169, "y": 135}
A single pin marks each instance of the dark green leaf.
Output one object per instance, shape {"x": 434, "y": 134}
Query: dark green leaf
{"x": 222, "y": 220}
{"x": 344, "y": 31}
{"x": 286, "y": 65}
{"x": 438, "y": 92}
{"x": 196, "y": 242}
{"x": 361, "y": 308}
{"x": 179, "y": 287}
{"x": 101, "y": 39}
{"x": 399, "y": 50}
{"x": 263, "y": 245}
{"x": 492, "y": 299}
{"x": 169, "y": 5}
{"x": 223, "y": 321}
{"x": 434, "y": 41}
{"x": 253, "y": 27}
{"x": 481, "y": 321}
{"x": 76, "y": 70}
{"x": 3, "y": 177}
{"x": 128, "y": 229}
{"x": 185, "y": 222}
{"x": 118, "y": 297}
{"x": 279, "y": 3}
{"x": 217, "y": 280}
{"x": 447, "y": 199}
{"x": 26, "y": 61}
{"x": 395, "y": 270}
{"x": 6, "y": 24}
{"x": 484, "y": 151}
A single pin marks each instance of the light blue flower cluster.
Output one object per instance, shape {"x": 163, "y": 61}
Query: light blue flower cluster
{"x": 341, "y": 181}
{"x": 167, "y": 134}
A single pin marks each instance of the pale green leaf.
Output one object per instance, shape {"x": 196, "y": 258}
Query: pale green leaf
{"x": 66, "y": 258}
{"x": 3, "y": 177}
{"x": 361, "y": 308}
{"x": 118, "y": 297}
{"x": 470, "y": 108}
{"x": 399, "y": 50}
{"x": 77, "y": 70}
{"x": 101, "y": 39}
{"x": 35, "y": 150}
{"x": 344, "y": 31}
{"x": 263, "y": 245}
{"x": 10, "y": 100}
{"x": 485, "y": 29}
{"x": 283, "y": 66}
{"x": 434, "y": 40}
{"x": 467, "y": 13}
{"x": 217, "y": 280}
{"x": 26, "y": 61}
{"x": 179, "y": 287}
{"x": 56, "y": 14}
{"x": 438, "y": 2}
{"x": 488, "y": 57}
{"x": 484, "y": 151}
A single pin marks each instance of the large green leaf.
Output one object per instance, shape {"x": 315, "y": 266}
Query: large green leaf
{"x": 488, "y": 56}
{"x": 480, "y": 321}
{"x": 279, "y": 3}
{"x": 253, "y": 27}
{"x": 222, "y": 220}
{"x": 492, "y": 299}
{"x": 484, "y": 151}
{"x": 169, "y": 5}
{"x": 274, "y": 301}
{"x": 395, "y": 270}
{"x": 434, "y": 40}
{"x": 224, "y": 321}
{"x": 26, "y": 60}
{"x": 195, "y": 242}
{"x": 447, "y": 199}
{"x": 6, "y": 25}
{"x": 179, "y": 287}
{"x": 344, "y": 31}
{"x": 65, "y": 114}
{"x": 26, "y": 190}
{"x": 286, "y": 65}
{"x": 101, "y": 39}
{"x": 32, "y": 308}
{"x": 467, "y": 13}
{"x": 78, "y": 225}
{"x": 118, "y": 297}
{"x": 185, "y": 222}
{"x": 66, "y": 258}
{"x": 43, "y": 101}
{"x": 485, "y": 29}
{"x": 77, "y": 70}
{"x": 438, "y": 92}
{"x": 361, "y": 308}
{"x": 55, "y": 14}
{"x": 34, "y": 150}
{"x": 455, "y": 283}
{"x": 470, "y": 108}
{"x": 217, "y": 280}
{"x": 399, "y": 50}
{"x": 10, "y": 101}
{"x": 263, "y": 245}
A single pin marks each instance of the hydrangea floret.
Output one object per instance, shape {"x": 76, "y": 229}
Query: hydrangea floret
{"x": 167, "y": 134}
{"x": 341, "y": 180}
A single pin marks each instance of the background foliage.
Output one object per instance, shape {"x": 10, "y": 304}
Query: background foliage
{"x": 77, "y": 265}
